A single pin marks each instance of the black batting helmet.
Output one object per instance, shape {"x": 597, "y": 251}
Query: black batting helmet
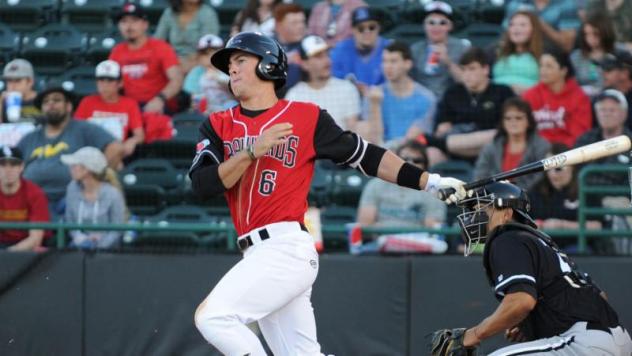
{"x": 273, "y": 63}
{"x": 473, "y": 220}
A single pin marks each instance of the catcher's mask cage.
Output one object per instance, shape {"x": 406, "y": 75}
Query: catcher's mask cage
{"x": 474, "y": 219}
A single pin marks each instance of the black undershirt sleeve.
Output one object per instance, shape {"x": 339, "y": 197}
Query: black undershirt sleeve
{"x": 345, "y": 148}
{"x": 204, "y": 175}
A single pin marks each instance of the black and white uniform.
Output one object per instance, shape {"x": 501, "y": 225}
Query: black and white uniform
{"x": 570, "y": 317}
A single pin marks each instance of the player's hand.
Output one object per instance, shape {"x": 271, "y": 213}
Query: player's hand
{"x": 436, "y": 182}
{"x": 272, "y": 137}
{"x": 515, "y": 335}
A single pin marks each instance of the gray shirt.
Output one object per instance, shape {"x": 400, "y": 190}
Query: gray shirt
{"x": 436, "y": 77}
{"x": 109, "y": 208}
{"x": 42, "y": 155}
{"x": 399, "y": 206}
{"x": 184, "y": 40}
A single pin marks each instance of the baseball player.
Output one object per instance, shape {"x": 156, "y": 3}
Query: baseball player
{"x": 547, "y": 304}
{"x": 261, "y": 155}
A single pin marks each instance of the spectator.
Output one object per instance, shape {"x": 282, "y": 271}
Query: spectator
{"x": 339, "y": 97}
{"x": 182, "y": 24}
{"x": 58, "y": 135}
{"x": 516, "y": 143}
{"x": 436, "y": 56}
{"x": 151, "y": 74}
{"x": 207, "y": 83}
{"x": 289, "y": 31}
{"x": 617, "y": 74}
{"x": 620, "y": 13}
{"x": 359, "y": 58}
{"x": 558, "y": 18}
{"x": 383, "y": 204}
{"x": 331, "y": 19}
{"x": 109, "y": 105}
{"x": 257, "y": 16}
{"x": 611, "y": 109}
{"x": 20, "y": 200}
{"x": 469, "y": 112}
{"x": 559, "y": 104}
{"x": 518, "y": 53}
{"x": 92, "y": 197}
{"x": 400, "y": 108}
{"x": 18, "y": 77}
{"x": 596, "y": 39}
{"x": 554, "y": 202}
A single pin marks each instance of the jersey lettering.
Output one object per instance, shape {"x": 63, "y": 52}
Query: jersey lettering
{"x": 285, "y": 153}
{"x": 267, "y": 182}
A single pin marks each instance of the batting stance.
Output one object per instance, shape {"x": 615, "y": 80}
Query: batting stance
{"x": 547, "y": 305}
{"x": 261, "y": 155}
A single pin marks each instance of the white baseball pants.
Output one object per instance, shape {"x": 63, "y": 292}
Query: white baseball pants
{"x": 272, "y": 284}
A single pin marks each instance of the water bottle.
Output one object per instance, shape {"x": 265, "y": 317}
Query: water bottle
{"x": 14, "y": 106}
{"x": 432, "y": 61}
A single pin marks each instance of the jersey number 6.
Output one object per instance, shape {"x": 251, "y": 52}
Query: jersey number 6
{"x": 267, "y": 182}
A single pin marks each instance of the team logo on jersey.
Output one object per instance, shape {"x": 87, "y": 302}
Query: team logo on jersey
{"x": 200, "y": 145}
{"x": 285, "y": 153}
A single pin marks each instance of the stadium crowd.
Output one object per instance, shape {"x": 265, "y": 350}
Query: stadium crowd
{"x": 556, "y": 75}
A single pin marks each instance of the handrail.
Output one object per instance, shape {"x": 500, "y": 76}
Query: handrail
{"x": 584, "y": 211}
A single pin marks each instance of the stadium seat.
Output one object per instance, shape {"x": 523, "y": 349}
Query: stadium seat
{"x": 408, "y": 33}
{"x": 152, "y": 171}
{"x": 175, "y": 214}
{"x": 169, "y": 150}
{"x": 26, "y": 16}
{"x": 100, "y": 45}
{"x": 143, "y": 199}
{"x": 226, "y": 12}
{"x": 452, "y": 168}
{"x": 321, "y": 185}
{"x": 347, "y": 187}
{"x": 80, "y": 80}
{"x": 187, "y": 126}
{"x": 89, "y": 15}
{"x": 54, "y": 48}
{"x": 9, "y": 44}
{"x": 154, "y": 9}
{"x": 338, "y": 216}
{"x": 483, "y": 34}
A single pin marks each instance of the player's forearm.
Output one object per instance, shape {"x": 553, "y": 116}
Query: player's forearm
{"x": 390, "y": 170}
{"x": 514, "y": 308}
{"x": 230, "y": 171}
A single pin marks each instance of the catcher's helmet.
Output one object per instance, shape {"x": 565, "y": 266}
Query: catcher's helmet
{"x": 273, "y": 63}
{"x": 473, "y": 220}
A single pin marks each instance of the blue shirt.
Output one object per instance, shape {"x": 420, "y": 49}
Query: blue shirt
{"x": 345, "y": 60}
{"x": 560, "y": 14}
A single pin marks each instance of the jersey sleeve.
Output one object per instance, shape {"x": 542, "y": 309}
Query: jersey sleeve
{"x": 513, "y": 266}
{"x": 204, "y": 173}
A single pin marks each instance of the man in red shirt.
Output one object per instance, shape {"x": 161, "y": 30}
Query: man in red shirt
{"x": 261, "y": 155}
{"x": 108, "y": 104}
{"x": 151, "y": 74}
{"x": 20, "y": 200}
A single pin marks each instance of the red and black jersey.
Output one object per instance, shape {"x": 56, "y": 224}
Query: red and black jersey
{"x": 275, "y": 187}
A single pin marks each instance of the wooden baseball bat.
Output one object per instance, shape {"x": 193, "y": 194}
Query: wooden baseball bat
{"x": 572, "y": 157}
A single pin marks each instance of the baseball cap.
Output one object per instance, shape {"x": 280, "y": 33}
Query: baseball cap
{"x": 210, "y": 41}
{"x": 17, "y": 69}
{"x": 11, "y": 153}
{"x": 614, "y": 95}
{"x": 108, "y": 69}
{"x": 54, "y": 87}
{"x": 90, "y": 157}
{"x": 619, "y": 60}
{"x": 131, "y": 9}
{"x": 438, "y": 7}
{"x": 362, "y": 14}
{"x": 312, "y": 45}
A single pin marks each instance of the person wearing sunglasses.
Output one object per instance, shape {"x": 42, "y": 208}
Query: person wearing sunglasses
{"x": 437, "y": 56}
{"x": 359, "y": 58}
{"x": 20, "y": 201}
{"x": 383, "y": 204}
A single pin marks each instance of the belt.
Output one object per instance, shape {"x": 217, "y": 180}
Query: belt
{"x": 257, "y": 236}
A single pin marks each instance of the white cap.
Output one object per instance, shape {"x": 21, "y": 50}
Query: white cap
{"x": 312, "y": 45}
{"x": 90, "y": 157}
{"x": 614, "y": 95}
{"x": 210, "y": 41}
{"x": 108, "y": 69}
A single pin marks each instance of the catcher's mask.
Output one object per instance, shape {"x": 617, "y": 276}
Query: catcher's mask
{"x": 474, "y": 219}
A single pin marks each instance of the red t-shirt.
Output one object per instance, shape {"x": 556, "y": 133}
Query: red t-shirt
{"x": 144, "y": 69}
{"x": 561, "y": 117}
{"x": 510, "y": 160}
{"x": 126, "y": 110}
{"x": 29, "y": 203}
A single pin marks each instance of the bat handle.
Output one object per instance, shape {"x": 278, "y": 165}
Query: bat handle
{"x": 443, "y": 194}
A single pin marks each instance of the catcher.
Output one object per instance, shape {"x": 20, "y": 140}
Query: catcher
{"x": 546, "y": 304}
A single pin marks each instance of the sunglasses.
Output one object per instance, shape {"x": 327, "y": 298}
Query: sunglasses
{"x": 437, "y": 22}
{"x": 368, "y": 28}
